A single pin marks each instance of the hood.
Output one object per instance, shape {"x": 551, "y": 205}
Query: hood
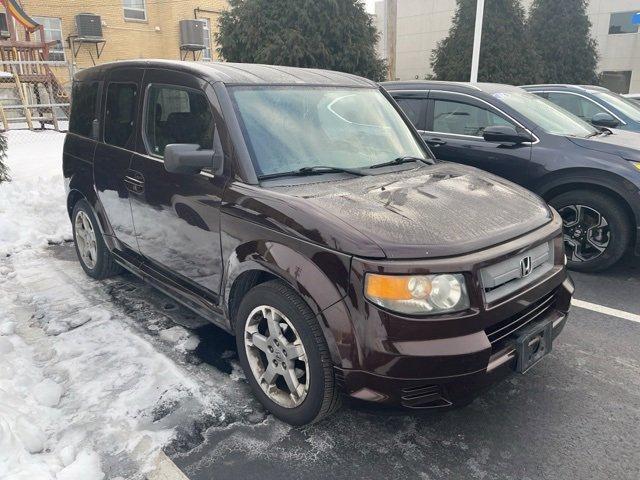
{"x": 440, "y": 210}
{"x": 621, "y": 143}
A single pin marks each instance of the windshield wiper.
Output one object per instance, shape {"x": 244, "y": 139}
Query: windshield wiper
{"x": 401, "y": 160}
{"x": 316, "y": 169}
{"x": 604, "y": 131}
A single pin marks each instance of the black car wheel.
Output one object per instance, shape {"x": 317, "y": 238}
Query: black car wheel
{"x": 94, "y": 256}
{"x": 284, "y": 354}
{"x": 596, "y": 229}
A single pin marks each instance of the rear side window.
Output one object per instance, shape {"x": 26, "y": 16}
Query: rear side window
{"x": 120, "y": 113}
{"x": 177, "y": 115}
{"x": 83, "y": 107}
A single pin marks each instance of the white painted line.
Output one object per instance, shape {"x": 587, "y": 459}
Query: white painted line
{"x": 165, "y": 469}
{"x": 614, "y": 312}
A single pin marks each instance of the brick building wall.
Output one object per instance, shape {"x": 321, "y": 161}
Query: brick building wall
{"x": 156, "y": 36}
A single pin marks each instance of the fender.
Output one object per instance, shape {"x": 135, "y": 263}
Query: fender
{"x": 77, "y": 185}
{"x": 308, "y": 274}
{"x": 609, "y": 180}
{"x": 612, "y": 181}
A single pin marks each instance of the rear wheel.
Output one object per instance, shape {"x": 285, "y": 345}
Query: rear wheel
{"x": 284, "y": 354}
{"x": 94, "y": 256}
{"x": 596, "y": 229}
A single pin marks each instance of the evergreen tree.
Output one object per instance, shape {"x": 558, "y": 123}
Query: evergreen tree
{"x": 505, "y": 53}
{"x": 332, "y": 34}
{"x": 4, "y": 169}
{"x": 559, "y": 33}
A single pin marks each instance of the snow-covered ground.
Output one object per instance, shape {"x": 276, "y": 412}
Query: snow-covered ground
{"x": 95, "y": 377}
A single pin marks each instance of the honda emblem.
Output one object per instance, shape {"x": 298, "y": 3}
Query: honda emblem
{"x": 525, "y": 266}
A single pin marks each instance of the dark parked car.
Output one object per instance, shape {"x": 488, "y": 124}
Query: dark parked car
{"x": 597, "y": 105}
{"x": 300, "y": 211}
{"x": 591, "y": 177}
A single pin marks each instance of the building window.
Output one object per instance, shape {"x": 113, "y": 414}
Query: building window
{"x": 134, "y": 9}
{"x": 621, "y": 22}
{"x": 53, "y": 33}
{"x": 206, "y": 53}
{"x": 4, "y": 27}
{"x": 618, "y": 82}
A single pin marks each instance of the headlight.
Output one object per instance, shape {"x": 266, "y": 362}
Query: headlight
{"x": 418, "y": 294}
{"x": 636, "y": 164}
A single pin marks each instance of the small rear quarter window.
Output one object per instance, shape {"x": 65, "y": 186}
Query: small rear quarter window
{"x": 84, "y": 100}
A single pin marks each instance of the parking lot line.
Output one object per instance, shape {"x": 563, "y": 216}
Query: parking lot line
{"x": 614, "y": 312}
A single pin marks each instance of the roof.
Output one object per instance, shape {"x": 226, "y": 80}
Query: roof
{"x": 453, "y": 86}
{"x": 567, "y": 86}
{"x": 239, "y": 73}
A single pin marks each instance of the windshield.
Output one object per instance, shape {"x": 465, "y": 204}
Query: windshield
{"x": 548, "y": 116}
{"x": 288, "y": 128}
{"x": 626, "y": 106}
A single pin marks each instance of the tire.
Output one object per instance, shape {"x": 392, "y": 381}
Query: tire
{"x": 322, "y": 397}
{"x": 618, "y": 227}
{"x": 101, "y": 264}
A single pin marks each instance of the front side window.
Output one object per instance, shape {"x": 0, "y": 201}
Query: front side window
{"x": 177, "y": 115}
{"x": 621, "y": 22}
{"x": 548, "y": 116}
{"x": 83, "y": 108}
{"x": 579, "y": 106}
{"x": 134, "y": 9}
{"x": 413, "y": 108}
{"x": 624, "y": 105}
{"x": 288, "y": 128}
{"x": 120, "y": 114}
{"x": 463, "y": 119}
{"x": 53, "y": 33}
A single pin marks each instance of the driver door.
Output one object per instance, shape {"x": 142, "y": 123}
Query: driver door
{"x": 177, "y": 216}
{"x": 455, "y": 123}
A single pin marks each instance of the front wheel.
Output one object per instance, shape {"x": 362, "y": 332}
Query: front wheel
{"x": 596, "y": 229}
{"x": 284, "y": 354}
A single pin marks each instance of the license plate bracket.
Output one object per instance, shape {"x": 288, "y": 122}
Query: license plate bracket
{"x": 533, "y": 344}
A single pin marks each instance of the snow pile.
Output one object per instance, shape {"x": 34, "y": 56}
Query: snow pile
{"x": 32, "y": 206}
{"x": 83, "y": 395}
{"x": 28, "y": 412}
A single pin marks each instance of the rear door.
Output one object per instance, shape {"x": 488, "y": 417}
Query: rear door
{"x": 455, "y": 123}
{"x": 113, "y": 153}
{"x": 177, "y": 216}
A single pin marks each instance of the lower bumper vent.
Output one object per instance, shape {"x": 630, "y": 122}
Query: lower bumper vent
{"x": 426, "y": 396}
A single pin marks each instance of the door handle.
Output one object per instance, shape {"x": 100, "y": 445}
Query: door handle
{"x": 435, "y": 142}
{"x": 134, "y": 181}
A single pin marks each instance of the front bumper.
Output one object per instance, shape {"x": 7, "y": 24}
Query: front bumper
{"x": 445, "y": 360}
{"x": 498, "y": 361}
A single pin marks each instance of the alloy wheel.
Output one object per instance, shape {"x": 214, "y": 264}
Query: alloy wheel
{"x": 86, "y": 239}
{"x": 276, "y": 356}
{"x": 586, "y": 232}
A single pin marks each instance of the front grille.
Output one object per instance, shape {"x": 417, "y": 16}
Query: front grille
{"x": 502, "y": 331}
{"x": 504, "y": 278}
{"x": 424, "y": 396}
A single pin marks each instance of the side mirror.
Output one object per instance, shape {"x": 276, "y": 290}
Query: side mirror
{"x": 505, "y": 134}
{"x": 604, "y": 119}
{"x": 188, "y": 158}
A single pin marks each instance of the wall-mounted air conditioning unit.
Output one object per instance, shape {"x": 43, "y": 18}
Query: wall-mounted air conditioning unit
{"x": 192, "y": 35}
{"x": 89, "y": 26}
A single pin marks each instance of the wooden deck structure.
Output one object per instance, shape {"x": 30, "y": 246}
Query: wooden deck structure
{"x": 36, "y": 92}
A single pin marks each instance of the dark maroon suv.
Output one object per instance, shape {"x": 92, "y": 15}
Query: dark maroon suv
{"x": 300, "y": 211}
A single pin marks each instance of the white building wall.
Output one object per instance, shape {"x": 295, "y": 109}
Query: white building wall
{"x": 422, "y": 23}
